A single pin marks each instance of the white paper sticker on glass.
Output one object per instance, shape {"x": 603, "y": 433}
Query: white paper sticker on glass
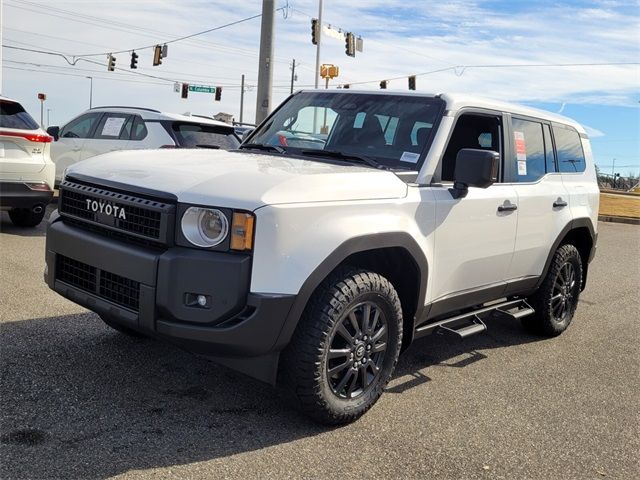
{"x": 112, "y": 127}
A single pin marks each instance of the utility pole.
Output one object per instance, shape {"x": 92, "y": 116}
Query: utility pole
{"x": 319, "y": 43}
{"x": 48, "y": 121}
{"x": 293, "y": 74}
{"x": 1, "y": 23}
{"x": 241, "y": 97}
{"x": 265, "y": 70}
{"x": 91, "y": 92}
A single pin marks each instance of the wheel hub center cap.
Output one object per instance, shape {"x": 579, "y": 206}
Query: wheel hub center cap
{"x": 360, "y": 349}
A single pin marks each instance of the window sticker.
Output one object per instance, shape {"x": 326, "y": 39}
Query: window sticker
{"x": 522, "y": 167}
{"x": 521, "y": 147}
{"x": 112, "y": 127}
{"x": 410, "y": 157}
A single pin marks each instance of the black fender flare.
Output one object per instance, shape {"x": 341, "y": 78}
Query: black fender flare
{"x": 573, "y": 224}
{"x": 349, "y": 247}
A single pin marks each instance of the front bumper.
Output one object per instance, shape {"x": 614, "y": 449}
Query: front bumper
{"x": 151, "y": 291}
{"x": 19, "y": 195}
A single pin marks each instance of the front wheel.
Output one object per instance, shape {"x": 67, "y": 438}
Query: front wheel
{"x": 556, "y": 300}
{"x": 345, "y": 348}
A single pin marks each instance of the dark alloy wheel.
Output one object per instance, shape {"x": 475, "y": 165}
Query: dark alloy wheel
{"x": 357, "y": 349}
{"x": 556, "y": 300}
{"x": 345, "y": 347}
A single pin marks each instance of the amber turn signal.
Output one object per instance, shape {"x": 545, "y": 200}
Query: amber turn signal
{"x": 242, "y": 231}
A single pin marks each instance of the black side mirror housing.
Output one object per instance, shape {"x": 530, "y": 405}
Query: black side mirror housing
{"x": 54, "y": 132}
{"x": 474, "y": 168}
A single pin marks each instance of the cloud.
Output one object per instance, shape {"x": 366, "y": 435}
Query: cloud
{"x": 593, "y": 132}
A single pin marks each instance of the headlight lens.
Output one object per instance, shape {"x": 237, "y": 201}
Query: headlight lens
{"x": 204, "y": 227}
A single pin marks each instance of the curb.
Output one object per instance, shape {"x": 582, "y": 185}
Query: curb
{"x": 614, "y": 219}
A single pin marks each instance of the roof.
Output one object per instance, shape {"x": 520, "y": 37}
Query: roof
{"x": 150, "y": 114}
{"x": 457, "y": 101}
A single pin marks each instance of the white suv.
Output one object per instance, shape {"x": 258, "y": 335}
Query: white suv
{"x": 105, "y": 129}
{"x": 26, "y": 170}
{"x": 347, "y": 225}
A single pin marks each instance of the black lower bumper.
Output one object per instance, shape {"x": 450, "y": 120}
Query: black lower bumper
{"x": 19, "y": 195}
{"x": 153, "y": 292}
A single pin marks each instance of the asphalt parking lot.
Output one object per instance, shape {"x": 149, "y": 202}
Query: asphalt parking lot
{"x": 79, "y": 400}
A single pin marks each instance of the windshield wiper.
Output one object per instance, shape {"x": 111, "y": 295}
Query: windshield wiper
{"x": 260, "y": 146}
{"x": 343, "y": 156}
{"x": 203, "y": 145}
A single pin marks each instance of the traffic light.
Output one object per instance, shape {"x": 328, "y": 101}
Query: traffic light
{"x": 185, "y": 90}
{"x": 350, "y": 44}
{"x": 111, "y": 65}
{"x": 134, "y": 60}
{"x": 315, "y": 31}
{"x": 412, "y": 82}
{"x": 165, "y": 50}
{"x": 383, "y": 84}
{"x": 157, "y": 55}
{"x": 218, "y": 94}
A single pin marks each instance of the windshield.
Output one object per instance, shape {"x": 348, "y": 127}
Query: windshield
{"x": 392, "y": 130}
{"x": 194, "y": 135}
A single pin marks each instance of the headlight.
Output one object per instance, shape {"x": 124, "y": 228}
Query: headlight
{"x": 204, "y": 227}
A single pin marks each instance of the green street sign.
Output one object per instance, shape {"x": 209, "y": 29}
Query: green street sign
{"x": 202, "y": 89}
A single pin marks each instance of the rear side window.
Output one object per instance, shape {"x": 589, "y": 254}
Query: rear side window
{"x": 12, "y": 115}
{"x": 139, "y": 129}
{"x": 569, "y": 148}
{"x": 530, "y": 153}
{"x": 114, "y": 126}
{"x": 197, "y": 135}
{"x": 81, "y": 127}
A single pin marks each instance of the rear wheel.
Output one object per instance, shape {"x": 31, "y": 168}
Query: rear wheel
{"x": 556, "y": 300}
{"x": 345, "y": 348}
{"x": 24, "y": 217}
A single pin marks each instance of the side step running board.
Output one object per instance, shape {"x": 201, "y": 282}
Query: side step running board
{"x": 471, "y": 323}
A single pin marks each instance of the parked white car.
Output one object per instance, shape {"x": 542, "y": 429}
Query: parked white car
{"x": 105, "y": 129}
{"x": 312, "y": 264}
{"x": 26, "y": 169}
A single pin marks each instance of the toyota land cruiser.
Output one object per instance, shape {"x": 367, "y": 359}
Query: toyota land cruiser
{"x": 347, "y": 225}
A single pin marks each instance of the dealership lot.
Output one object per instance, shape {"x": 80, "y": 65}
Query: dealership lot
{"x": 82, "y": 401}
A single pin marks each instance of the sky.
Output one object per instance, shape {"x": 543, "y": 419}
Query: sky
{"x": 456, "y": 40}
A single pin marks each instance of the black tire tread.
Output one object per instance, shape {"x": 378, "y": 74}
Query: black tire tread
{"x": 303, "y": 355}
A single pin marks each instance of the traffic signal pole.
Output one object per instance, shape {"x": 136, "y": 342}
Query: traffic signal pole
{"x": 319, "y": 43}
{"x": 265, "y": 70}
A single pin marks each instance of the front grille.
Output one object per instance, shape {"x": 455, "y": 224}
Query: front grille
{"x": 119, "y": 290}
{"x": 137, "y": 217}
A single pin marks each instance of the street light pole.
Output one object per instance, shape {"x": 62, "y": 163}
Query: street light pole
{"x": 241, "y": 98}
{"x": 91, "y": 92}
{"x": 48, "y": 111}
{"x": 318, "y": 44}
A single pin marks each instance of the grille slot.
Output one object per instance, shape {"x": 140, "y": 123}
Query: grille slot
{"x": 137, "y": 217}
{"x": 119, "y": 290}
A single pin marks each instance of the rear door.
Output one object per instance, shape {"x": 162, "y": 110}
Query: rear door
{"x": 22, "y": 146}
{"x": 112, "y": 133}
{"x": 66, "y": 150}
{"x": 542, "y": 198}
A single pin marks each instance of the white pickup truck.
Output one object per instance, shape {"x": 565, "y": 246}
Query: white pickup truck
{"x": 347, "y": 225}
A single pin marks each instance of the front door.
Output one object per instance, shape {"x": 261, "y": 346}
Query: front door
{"x": 474, "y": 235}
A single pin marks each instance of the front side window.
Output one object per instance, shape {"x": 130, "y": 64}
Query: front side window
{"x": 12, "y": 115}
{"x": 81, "y": 127}
{"x": 530, "y": 155}
{"x": 569, "y": 148}
{"x": 392, "y": 130}
{"x": 471, "y": 131}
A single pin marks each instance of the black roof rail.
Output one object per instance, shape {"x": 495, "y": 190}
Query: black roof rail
{"x": 123, "y": 106}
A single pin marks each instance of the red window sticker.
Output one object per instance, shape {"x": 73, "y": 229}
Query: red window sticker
{"x": 521, "y": 146}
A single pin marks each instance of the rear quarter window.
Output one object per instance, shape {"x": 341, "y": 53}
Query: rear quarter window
{"x": 12, "y": 115}
{"x": 569, "y": 149}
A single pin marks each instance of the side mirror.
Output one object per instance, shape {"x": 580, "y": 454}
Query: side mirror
{"x": 474, "y": 168}
{"x": 54, "y": 132}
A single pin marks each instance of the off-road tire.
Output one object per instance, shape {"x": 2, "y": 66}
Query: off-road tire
{"x": 121, "y": 328}
{"x": 305, "y": 363}
{"x": 550, "y": 298}
{"x": 23, "y": 217}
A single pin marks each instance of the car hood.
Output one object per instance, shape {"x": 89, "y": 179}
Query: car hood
{"x": 240, "y": 180}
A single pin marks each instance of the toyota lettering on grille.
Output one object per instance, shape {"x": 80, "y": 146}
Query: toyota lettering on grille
{"x": 106, "y": 208}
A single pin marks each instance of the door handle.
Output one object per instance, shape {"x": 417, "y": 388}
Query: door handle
{"x": 559, "y": 203}
{"x": 507, "y": 207}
